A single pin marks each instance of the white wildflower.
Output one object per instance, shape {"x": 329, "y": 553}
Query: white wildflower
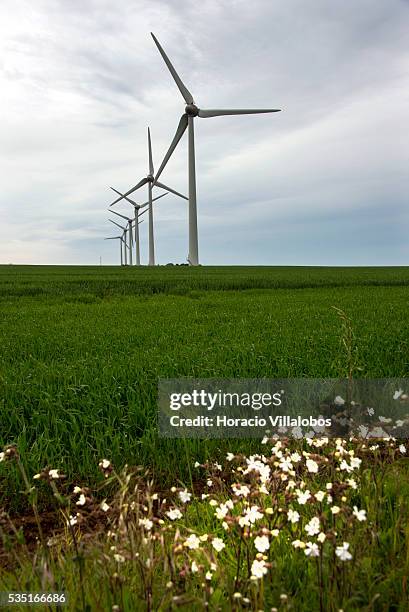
{"x": 285, "y": 464}
{"x": 146, "y": 523}
{"x": 360, "y": 515}
{"x": 218, "y": 544}
{"x": 312, "y": 550}
{"x": 295, "y": 457}
{"x": 81, "y": 501}
{"x": 241, "y": 490}
{"x": 174, "y": 514}
{"x": 302, "y": 496}
{"x": 343, "y": 553}
{"x": 222, "y": 511}
{"x": 312, "y": 466}
{"x": 184, "y": 496}
{"x": 258, "y": 569}
{"x": 297, "y": 433}
{"x": 262, "y": 543}
{"x": 253, "y": 514}
{"x": 192, "y": 542}
{"x": 345, "y": 466}
{"x": 319, "y": 495}
{"x": 313, "y": 527}
{"x": 293, "y": 516}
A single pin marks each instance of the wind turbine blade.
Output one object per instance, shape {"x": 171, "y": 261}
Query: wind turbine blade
{"x": 139, "y": 222}
{"x": 171, "y": 190}
{"x": 179, "y": 133}
{"x": 117, "y": 224}
{"x": 140, "y": 184}
{"x": 159, "y": 197}
{"x": 150, "y": 153}
{"x": 119, "y": 215}
{"x": 237, "y": 111}
{"x": 121, "y": 194}
{"x": 182, "y": 88}
{"x": 113, "y": 238}
{"x": 153, "y": 200}
{"x": 143, "y": 212}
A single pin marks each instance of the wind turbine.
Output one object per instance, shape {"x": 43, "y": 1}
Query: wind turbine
{"x": 120, "y": 245}
{"x": 125, "y": 231}
{"x": 186, "y": 121}
{"x": 149, "y": 180}
{"x": 129, "y": 222}
{"x": 137, "y": 208}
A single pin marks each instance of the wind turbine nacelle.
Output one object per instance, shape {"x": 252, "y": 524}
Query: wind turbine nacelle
{"x": 150, "y": 178}
{"x": 192, "y": 110}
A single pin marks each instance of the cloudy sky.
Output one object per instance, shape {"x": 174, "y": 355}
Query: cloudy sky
{"x": 325, "y": 182}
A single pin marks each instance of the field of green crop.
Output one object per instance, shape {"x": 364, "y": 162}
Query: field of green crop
{"x": 82, "y": 348}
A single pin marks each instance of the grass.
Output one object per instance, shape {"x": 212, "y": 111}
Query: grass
{"x": 82, "y": 349}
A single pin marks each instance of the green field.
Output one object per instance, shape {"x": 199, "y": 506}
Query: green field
{"x": 82, "y": 348}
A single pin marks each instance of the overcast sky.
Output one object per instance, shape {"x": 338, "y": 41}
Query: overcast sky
{"x": 324, "y": 182}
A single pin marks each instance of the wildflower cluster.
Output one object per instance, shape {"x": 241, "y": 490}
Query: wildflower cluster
{"x": 297, "y": 498}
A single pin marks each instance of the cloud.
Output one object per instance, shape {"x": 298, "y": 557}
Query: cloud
{"x": 82, "y": 80}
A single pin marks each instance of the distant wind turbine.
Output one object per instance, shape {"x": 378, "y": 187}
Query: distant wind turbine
{"x": 149, "y": 180}
{"x": 121, "y": 238}
{"x": 137, "y": 208}
{"x": 129, "y": 229}
{"x": 186, "y": 121}
{"x": 125, "y": 231}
